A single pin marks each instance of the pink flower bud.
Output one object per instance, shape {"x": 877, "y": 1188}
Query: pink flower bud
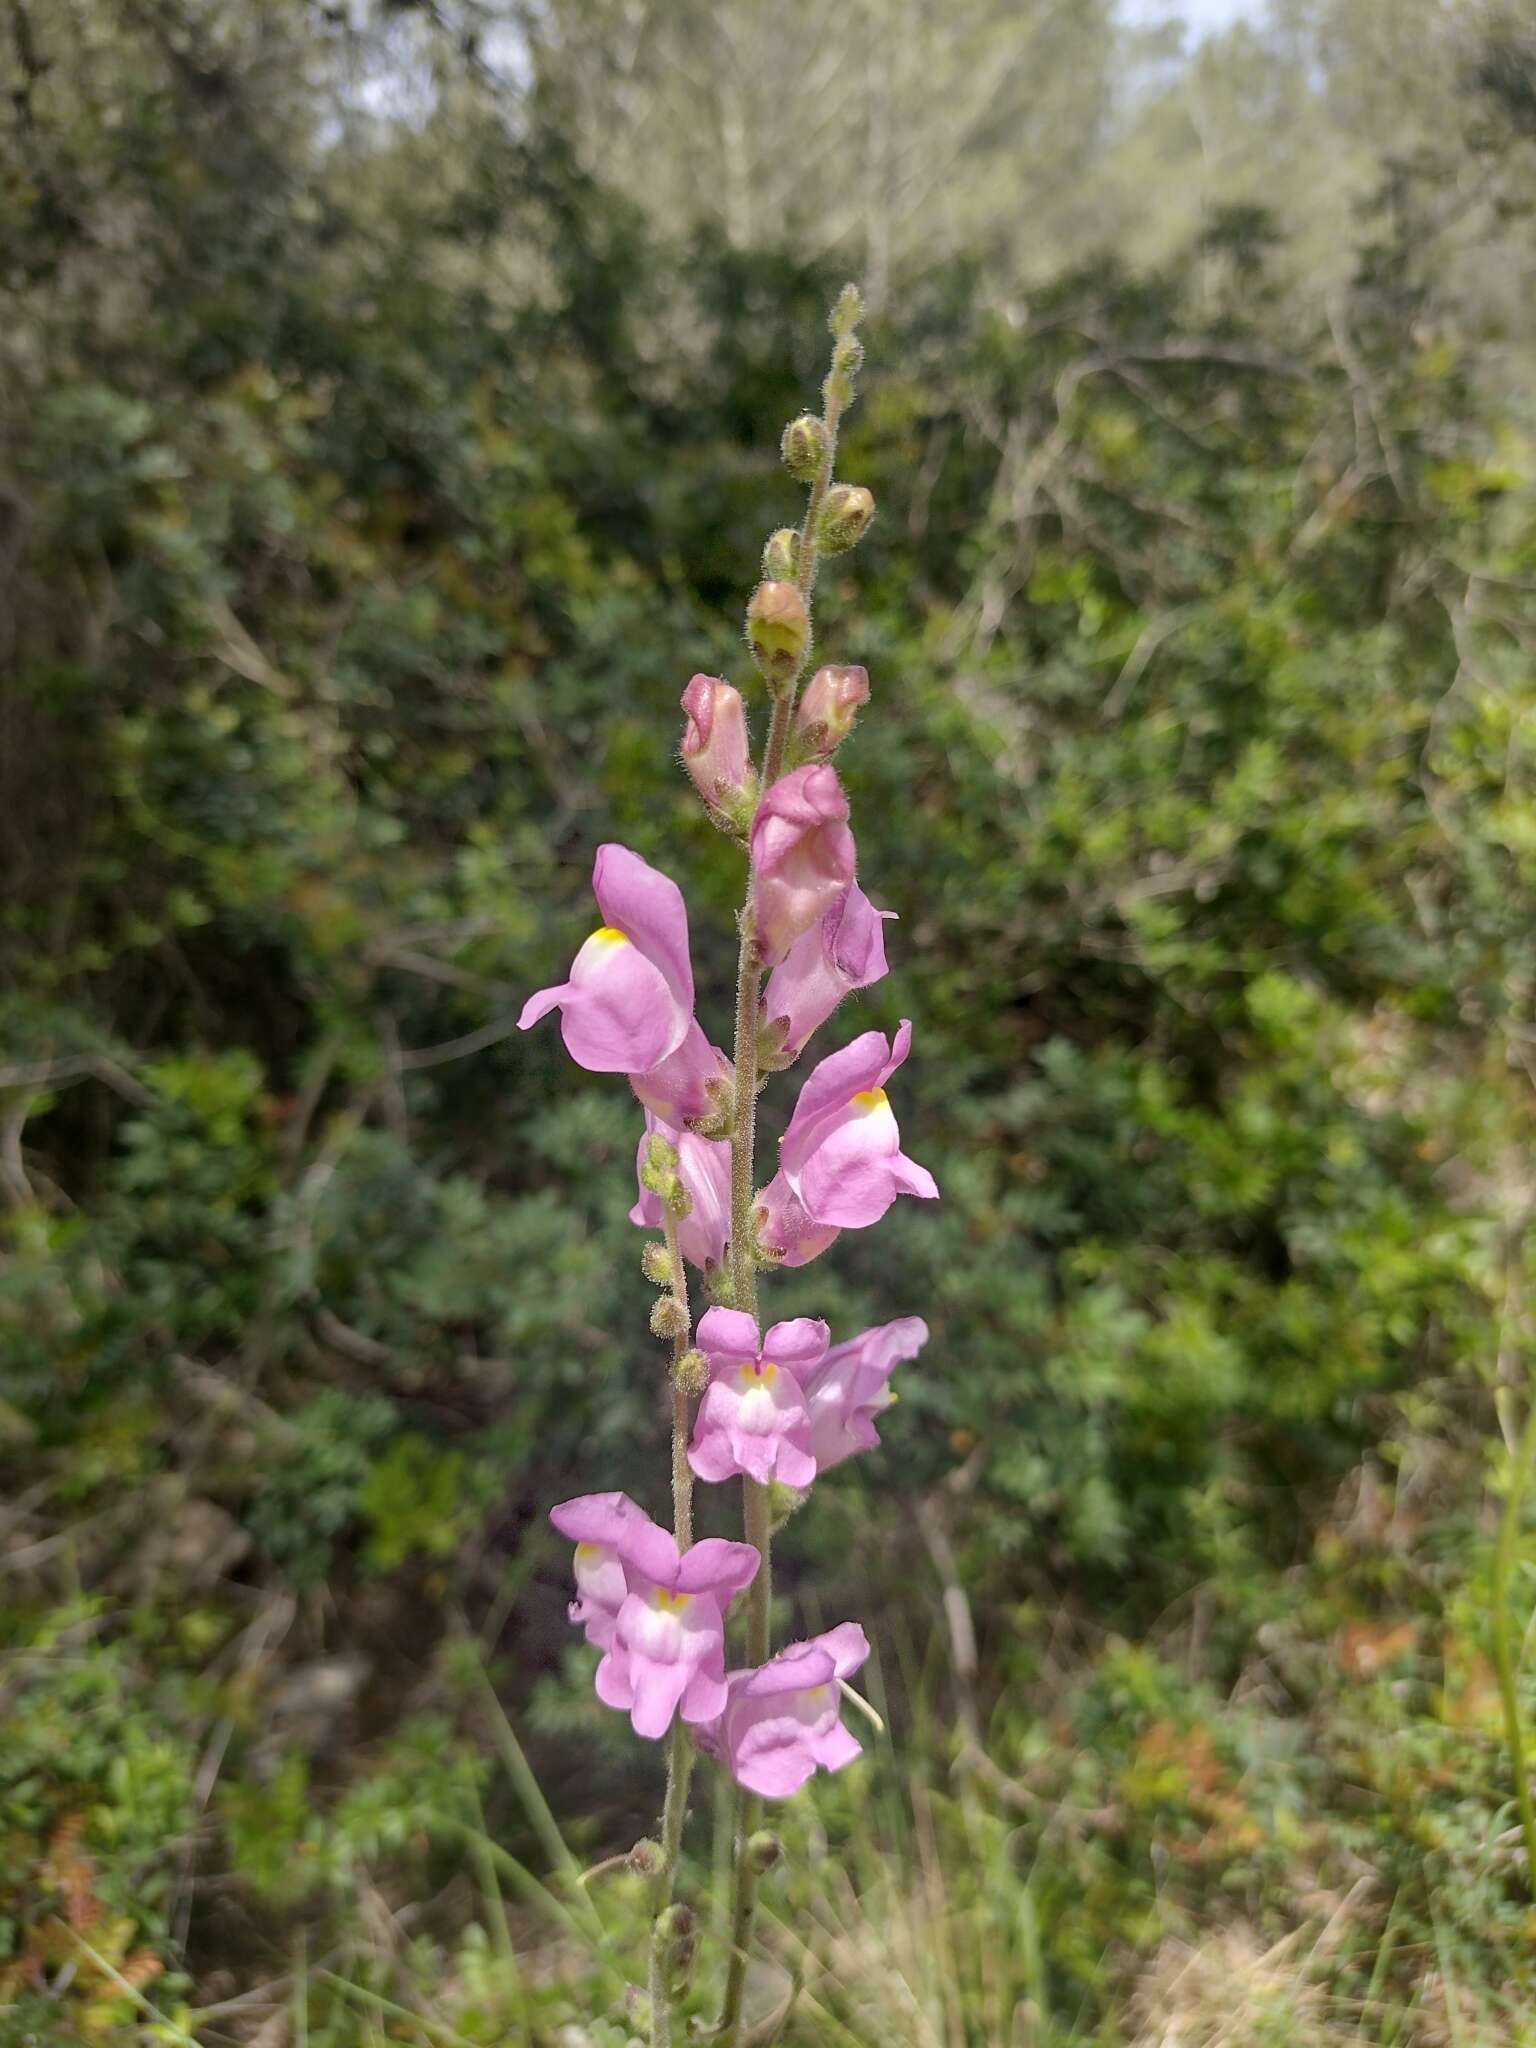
{"x": 802, "y": 855}
{"x": 825, "y": 714}
{"x": 715, "y": 751}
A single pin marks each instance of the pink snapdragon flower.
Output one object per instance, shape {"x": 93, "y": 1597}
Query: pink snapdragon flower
{"x": 783, "y": 1721}
{"x": 850, "y": 1388}
{"x": 628, "y": 1005}
{"x": 704, "y": 1168}
{"x": 845, "y": 951}
{"x": 753, "y": 1418}
{"x": 715, "y": 749}
{"x": 664, "y": 1640}
{"x": 802, "y": 855}
{"x": 840, "y": 1162}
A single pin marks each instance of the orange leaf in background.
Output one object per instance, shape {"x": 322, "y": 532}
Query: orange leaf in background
{"x": 1365, "y": 1647}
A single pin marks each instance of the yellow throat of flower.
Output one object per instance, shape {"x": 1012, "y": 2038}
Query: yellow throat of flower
{"x": 870, "y": 1099}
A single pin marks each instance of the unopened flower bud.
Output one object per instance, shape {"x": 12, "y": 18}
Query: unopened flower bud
{"x": 847, "y": 312}
{"x": 660, "y": 1163}
{"x": 677, "y": 1930}
{"x": 781, "y": 555}
{"x": 666, "y": 1317}
{"x": 782, "y": 1503}
{"x": 715, "y": 750}
{"x": 847, "y": 356}
{"x": 845, "y": 517}
{"x": 691, "y": 1373}
{"x": 656, "y": 1264}
{"x": 646, "y": 1857}
{"x": 825, "y": 715}
{"x": 778, "y": 630}
{"x": 764, "y": 1851}
{"x": 804, "y": 447}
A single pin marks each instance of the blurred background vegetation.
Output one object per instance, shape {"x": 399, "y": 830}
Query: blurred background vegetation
{"x": 389, "y": 399}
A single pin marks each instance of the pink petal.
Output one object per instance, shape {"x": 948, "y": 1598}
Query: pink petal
{"x": 802, "y": 1341}
{"x": 847, "y": 1645}
{"x": 617, "y": 1013}
{"x": 797, "y": 1668}
{"x": 833, "y": 1082}
{"x": 913, "y": 1179}
{"x": 612, "y": 1682}
{"x": 704, "y": 1698}
{"x": 541, "y": 1003}
{"x": 658, "y": 1688}
{"x": 648, "y": 905}
{"x": 717, "y": 1566}
{"x": 845, "y": 1176}
{"x": 727, "y": 1333}
{"x": 794, "y": 1465}
{"x": 784, "y": 1227}
{"x": 678, "y": 1087}
{"x": 835, "y": 1748}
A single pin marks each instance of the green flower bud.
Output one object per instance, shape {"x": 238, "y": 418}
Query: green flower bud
{"x": 656, "y": 1264}
{"x": 646, "y": 1857}
{"x": 691, "y": 1373}
{"x": 771, "y": 1033}
{"x": 781, "y": 556}
{"x": 764, "y": 1851}
{"x": 679, "y": 1937}
{"x": 848, "y": 311}
{"x": 666, "y": 1317}
{"x": 782, "y": 1503}
{"x": 778, "y": 630}
{"x": 660, "y": 1166}
{"x": 845, "y": 516}
{"x": 804, "y": 447}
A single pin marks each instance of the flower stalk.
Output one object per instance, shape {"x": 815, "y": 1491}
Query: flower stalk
{"x": 757, "y": 1525}
{"x": 776, "y": 1406}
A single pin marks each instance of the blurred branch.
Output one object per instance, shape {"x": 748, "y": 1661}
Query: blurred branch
{"x": 78, "y": 1067}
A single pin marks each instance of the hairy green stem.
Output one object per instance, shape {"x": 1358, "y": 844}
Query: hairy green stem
{"x": 675, "y": 1812}
{"x": 679, "y": 1747}
{"x": 1504, "y": 1655}
{"x": 682, "y": 1471}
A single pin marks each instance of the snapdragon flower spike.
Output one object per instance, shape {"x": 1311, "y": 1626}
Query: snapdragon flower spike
{"x": 664, "y": 1645}
{"x": 783, "y": 1722}
{"x": 628, "y": 1005}
{"x": 851, "y": 1387}
{"x": 753, "y": 1418}
{"x": 704, "y": 1168}
{"x": 802, "y": 855}
{"x": 840, "y": 1162}
{"x": 845, "y": 951}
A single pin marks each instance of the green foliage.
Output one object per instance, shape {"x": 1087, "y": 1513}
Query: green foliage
{"x": 354, "y": 548}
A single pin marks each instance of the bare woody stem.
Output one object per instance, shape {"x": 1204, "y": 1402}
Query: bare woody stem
{"x": 679, "y": 1746}
{"x": 756, "y": 1520}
